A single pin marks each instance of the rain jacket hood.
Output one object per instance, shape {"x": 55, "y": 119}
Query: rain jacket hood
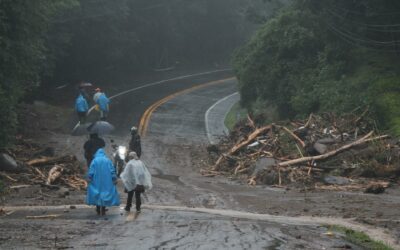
{"x": 136, "y": 173}
{"x": 101, "y": 190}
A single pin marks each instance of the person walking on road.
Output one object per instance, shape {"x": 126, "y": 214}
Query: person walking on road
{"x": 136, "y": 179}
{"x": 102, "y": 103}
{"x": 135, "y": 143}
{"x": 102, "y": 191}
{"x": 81, "y": 107}
{"x": 91, "y": 146}
{"x": 96, "y": 94}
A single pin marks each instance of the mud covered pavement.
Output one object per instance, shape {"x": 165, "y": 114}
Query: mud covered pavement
{"x": 187, "y": 211}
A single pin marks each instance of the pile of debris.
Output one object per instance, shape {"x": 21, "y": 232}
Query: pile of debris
{"x": 29, "y": 164}
{"x": 341, "y": 151}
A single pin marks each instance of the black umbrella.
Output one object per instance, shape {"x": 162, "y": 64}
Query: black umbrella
{"x": 100, "y": 127}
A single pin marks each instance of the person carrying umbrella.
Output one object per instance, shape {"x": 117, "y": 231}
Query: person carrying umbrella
{"x": 91, "y": 146}
{"x": 82, "y": 89}
{"x": 136, "y": 179}
{"x": 102, "y": 180}
{"x": 81, "y": 107}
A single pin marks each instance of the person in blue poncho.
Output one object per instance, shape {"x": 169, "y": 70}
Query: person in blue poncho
{"x": 103, "y": 103}
{"x": 81, "y": 107}
{"x": 102, "y": 191}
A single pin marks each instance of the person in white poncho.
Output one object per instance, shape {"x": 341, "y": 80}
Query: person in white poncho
{"x": 136, "y": 179}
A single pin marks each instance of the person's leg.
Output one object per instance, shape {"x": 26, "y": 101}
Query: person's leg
{"x": 103, "y": 210}
{"x": 98, "y": 210}
{"x": 83, "y": 119}
{"x": 129, "y": 201}
{"x": 138, "y": 200}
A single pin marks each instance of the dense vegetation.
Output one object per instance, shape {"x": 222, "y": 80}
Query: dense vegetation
{"x": 47, "y": 43}
{"x": 23, "y": 53}
{"x": 318, "y": 56}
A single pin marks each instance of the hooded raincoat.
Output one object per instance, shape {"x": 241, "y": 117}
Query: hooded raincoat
{"x": 101, "y": 190}
{"x": 81, "y": 104}
{"x": 103, "y": 102}
{"x": 136, "y": 173}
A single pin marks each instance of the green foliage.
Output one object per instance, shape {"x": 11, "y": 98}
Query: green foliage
{"x": 385, "y": 95}
{"x": 234, "y": 115}
{"x": 23, "y": 29}
{"x": 298, "y": 63}
{"x": 361, "y": 239}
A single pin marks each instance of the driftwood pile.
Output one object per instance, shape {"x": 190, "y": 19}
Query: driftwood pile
{"x": 324, "y": 149}
{"x": 38, "y": 166}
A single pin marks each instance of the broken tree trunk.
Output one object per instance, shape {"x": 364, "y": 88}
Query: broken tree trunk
{"x": 327, "y": 155}
{"x": 54, "y": 173}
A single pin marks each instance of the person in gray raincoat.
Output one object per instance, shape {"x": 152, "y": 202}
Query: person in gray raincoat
{"x": 136, "y": 179}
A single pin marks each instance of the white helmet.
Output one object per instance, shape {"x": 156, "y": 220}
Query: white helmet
{"x": 134, "y": 130}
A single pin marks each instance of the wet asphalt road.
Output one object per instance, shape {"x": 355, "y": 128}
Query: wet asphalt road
{"x": 176, "y": 135}
{"x": 176, "y": 132}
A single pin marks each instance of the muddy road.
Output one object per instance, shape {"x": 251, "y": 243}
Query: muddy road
{"x": 185, "y": 210}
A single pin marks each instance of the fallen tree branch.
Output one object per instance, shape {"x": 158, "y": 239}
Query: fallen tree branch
{"x": 8, "y": 177}
{"x": 51, "y": 160}
{"x": 356, "y": 121}
{"x": 251, "y": 122}
{"x": 238, "y": 146}
{"x": 301, "y": 142}
{"x": 377, "y": 138}
{"x": 327, "y": 155}
{"x": 308, "y": 121}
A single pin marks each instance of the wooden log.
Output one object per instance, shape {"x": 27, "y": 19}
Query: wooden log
{"x": 19, "y": 186}
{"x": 327, "y": 155}
{"x": 49, "y": 216}
{"x": 51, "y": 160}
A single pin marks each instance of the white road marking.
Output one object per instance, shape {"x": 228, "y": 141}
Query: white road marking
{"x": 210, "y": 132}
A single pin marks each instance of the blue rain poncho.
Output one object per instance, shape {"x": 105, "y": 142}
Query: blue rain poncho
{"x": 101, "y": 190}
{"x": 103, "y": 102}
{"x": 136, "y": 173}
{"x": 81, "y": 104}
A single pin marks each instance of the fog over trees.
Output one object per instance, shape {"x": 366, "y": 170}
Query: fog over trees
{"x": 46, "y": 42}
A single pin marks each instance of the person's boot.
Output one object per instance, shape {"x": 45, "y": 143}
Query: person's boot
{"x": 103, "y": 211}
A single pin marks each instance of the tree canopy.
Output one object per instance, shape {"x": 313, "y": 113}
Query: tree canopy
{"x": 319, "y": 56}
